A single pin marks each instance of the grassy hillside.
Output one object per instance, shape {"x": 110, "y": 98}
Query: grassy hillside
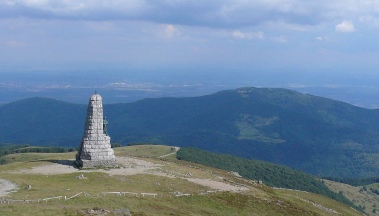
{"x": 271, "y": 174}
{"x": 355, "y": 181}
{"x": 313, "y": 134}
{"x": 361, "y": 195}
{"x": 166, "y": 180}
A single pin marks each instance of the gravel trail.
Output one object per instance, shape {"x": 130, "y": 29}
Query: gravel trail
{"x": 6, "y": 187}
{"x": 129, "y": 166}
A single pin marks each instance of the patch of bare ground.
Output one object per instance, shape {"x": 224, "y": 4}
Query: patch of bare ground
{"x": 134, "y": 166}
{"x": 6, "y": 187}
{"x": 217, "y": 185}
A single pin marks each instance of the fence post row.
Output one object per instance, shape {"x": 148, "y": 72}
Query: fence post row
{"x": 87, "y": 194}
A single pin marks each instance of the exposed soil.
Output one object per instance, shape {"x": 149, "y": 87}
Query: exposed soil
{"x": 128, "y": 166}
{"x": 6, "y": 187}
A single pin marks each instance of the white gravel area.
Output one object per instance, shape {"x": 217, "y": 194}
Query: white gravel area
{"x": 6, "y": 187}
{"x": 216, "y": 185}
{"x": 128, "y": 166}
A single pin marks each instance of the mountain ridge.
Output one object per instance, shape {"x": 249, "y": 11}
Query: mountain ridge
{"x": 314, "y": 134}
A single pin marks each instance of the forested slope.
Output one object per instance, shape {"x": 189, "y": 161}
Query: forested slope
{"x": 271, "y": 174}
{"x": 314, "y": 134}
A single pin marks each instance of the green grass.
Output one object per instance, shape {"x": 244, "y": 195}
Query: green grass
{"x": 373, "y": 186}
{"x": 216, "y": 204}
{"x": 22, "y": 157}
{"x": 305, "y": 200}
{"x": 260, "y": 200}
{"x": 249, "y": 127}
{"x": 366, "y": 199}
{"x": 143, "y": 151}
{"x": 28, "y": 160}
{"x": 44, "y": 186}
{"x": 221, "y": 204}
{"x": 171, "y": 157}
{"x": 249, "y": 131}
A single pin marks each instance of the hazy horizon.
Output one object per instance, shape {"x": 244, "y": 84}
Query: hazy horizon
{"x": 131, "y": 86}
{"x": 135, "y": 49}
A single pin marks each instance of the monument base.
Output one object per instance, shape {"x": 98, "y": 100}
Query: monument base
{"x": 89, "y": 164}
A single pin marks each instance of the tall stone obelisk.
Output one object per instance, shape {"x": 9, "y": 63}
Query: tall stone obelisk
{"x": 95, "y": 148}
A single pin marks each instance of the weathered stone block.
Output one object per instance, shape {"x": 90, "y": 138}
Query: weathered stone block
{"x": 95, "y": 149}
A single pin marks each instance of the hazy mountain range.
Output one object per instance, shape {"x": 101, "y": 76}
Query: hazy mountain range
{"x": 124, "y": 86}
{"x": 314, "y": 134}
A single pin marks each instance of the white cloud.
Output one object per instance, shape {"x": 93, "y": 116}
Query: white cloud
{"x": 248, "y": 35}
{"x": 13, "y": 43}
{"x": 9, "y": 2}
{"x": 345, "y": 26}
{"x": 163, "y": 30}
{"x": 366, "y": 18}
{"x": 36, "y": 3}
{"x": 104, "y": 26}
{"x": 185, "y": 31}
{"x": 78, "y": 9}
{"x": 279, "y": 39}
{"x": 214, "y": 13}
{"x": 295, "y": 15}
{"x": 370, "y": 21}
{"x": 170, "y": 30}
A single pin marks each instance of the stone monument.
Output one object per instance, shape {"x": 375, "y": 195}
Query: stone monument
{"x": 95, "y": 149}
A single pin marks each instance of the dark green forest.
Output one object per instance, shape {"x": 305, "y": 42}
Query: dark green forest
{"x": 317, "y": 135}
{"x": 271, "y": 174}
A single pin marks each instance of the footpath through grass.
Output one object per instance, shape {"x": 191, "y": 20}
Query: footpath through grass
{"x": 258, "y": 200}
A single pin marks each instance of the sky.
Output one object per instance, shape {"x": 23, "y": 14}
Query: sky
{"x": 277, "y": 38}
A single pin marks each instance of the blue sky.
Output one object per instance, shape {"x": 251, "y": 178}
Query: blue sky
{"x": 242, "y": 34}
{"x": 279, "y": 43}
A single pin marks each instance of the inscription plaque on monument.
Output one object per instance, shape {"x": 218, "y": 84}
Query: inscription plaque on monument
{"x": 95, "y": 149}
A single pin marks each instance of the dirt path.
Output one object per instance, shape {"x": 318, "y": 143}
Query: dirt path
{"x": 128, "y": 166}
{"x": 6, "y": 187}
{"x": 176, "y": 150}
{"x": 217, "y": 185}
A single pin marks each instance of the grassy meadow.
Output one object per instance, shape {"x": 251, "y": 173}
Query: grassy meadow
{"x": 360, "y": 197}
{"x": 171, "y": 180}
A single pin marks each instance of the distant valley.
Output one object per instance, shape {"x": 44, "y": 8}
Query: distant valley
{"x": 317, "y": 135}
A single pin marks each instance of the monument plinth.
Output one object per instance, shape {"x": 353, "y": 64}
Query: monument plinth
{"x": 95, "y": 149}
